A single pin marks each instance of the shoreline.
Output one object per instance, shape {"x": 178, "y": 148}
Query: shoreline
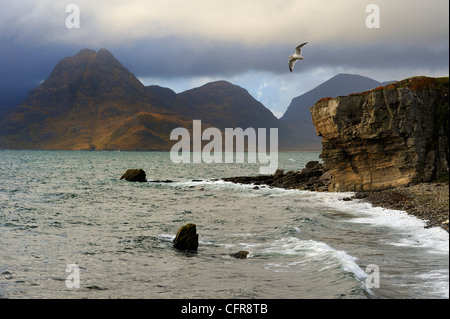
{"x": 426, "y": 201}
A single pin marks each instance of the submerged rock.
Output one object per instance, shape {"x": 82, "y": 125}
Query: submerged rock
{"x": 240, "y": 254}
{"x": 187, "y": 238}
{"x": 134, "y": 175}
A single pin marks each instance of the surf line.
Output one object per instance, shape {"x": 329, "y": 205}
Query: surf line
{"x": 213, "y": 151}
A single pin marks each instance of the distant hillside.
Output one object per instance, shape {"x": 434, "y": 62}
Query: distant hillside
{"x": 92, "y": 102}
{"x": 298, "y": 115}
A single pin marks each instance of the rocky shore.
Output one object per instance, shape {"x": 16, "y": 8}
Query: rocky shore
{"x": 426, "y": 201}
{"x": 314, "y": 177}
{"x": 388, "y": 145}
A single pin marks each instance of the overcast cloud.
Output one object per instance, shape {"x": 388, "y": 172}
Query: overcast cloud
{"x": 183, "y": 44}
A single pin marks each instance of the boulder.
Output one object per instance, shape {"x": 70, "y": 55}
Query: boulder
{"x": 240, "y": 254}
{"x": 134, "y": 175}
{"x": 187, "y": 238}
{"x": 312, "y": 164}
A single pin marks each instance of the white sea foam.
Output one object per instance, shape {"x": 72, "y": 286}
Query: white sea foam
{"x": 410, "y": 232}
{"x": 438, "y": 280}
{"x": 165, "y": 237}
{"x": 415, "y": 234}
{"x": 306, "y": 250}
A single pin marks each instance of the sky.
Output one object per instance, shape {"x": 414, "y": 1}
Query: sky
{"x": 184, "y": 44}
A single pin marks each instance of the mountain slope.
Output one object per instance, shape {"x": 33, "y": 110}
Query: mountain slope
{"x": 298, "y": 115}
{"x": 88, "y": 102}
{"x": 224, "y": 105}
{"x": 92, "y": 102}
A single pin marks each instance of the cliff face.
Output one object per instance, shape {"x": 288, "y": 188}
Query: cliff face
{"x": 390, "y": 136}
{"x": 298, "y": 116}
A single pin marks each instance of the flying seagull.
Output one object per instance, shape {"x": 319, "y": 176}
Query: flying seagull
{"x": 296, "y": 56}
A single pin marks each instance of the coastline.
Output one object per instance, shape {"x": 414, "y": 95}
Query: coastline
{"x": 426, "y": 201}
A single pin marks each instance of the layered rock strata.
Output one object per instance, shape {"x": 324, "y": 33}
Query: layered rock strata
{"x": 391, "y": 136}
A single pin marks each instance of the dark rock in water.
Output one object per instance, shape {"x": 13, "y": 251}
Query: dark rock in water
{"x": 240, "y": 254}
{"x": 347, "y": 199}
{"x": 187, "y": 238}
{"x": 313, "y": 177}
{"x": 256, "y": 187}
{"x": 134, "y": 175}
{"x": 311, "y": 164}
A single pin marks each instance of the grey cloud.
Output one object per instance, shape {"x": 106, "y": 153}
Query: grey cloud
{"x": 180, "y": 57}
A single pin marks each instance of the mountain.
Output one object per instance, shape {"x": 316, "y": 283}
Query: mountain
{"x": 298, "y": 115}
{"x": 89, "y": 101}
{"x": 92, "y": 102}
{"x": 222, "y": 104}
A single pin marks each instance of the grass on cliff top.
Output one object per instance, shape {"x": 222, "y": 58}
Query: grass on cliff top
{"x": 413, "y": 83}
{"x": 421, "y": 82}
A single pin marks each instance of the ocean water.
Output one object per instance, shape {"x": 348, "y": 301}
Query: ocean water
{"x": 60, "y": 209}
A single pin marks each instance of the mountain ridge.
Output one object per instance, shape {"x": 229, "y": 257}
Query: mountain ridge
{"x": 90, "y": 101}
{"x": 298, "y": 116}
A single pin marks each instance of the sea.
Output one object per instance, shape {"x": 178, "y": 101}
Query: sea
{"x": 71, "y": 228}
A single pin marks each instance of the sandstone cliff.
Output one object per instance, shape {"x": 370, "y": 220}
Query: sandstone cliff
{"x": 390, "y": 136}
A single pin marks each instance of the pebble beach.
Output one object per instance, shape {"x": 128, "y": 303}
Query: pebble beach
{"x": 427, "y": 201}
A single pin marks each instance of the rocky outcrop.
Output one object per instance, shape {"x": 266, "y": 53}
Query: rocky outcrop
{"x": 186, "y": 238}
{"x": 314, "y": 177}
{"x": 240, "y": 254}
{"x": 391, "y": 136}
{"x": 134, "y": 175}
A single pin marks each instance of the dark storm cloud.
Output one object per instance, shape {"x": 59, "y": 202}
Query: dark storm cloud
{"x": 171, "y": 57}
{"x": 24, "y": 65}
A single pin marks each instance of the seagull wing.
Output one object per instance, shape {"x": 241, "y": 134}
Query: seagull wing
{"x": 291, "y": 64}
{"x": 298, "y": 49}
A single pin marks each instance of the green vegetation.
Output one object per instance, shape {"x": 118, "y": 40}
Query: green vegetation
{"x": 442, "y": 179}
